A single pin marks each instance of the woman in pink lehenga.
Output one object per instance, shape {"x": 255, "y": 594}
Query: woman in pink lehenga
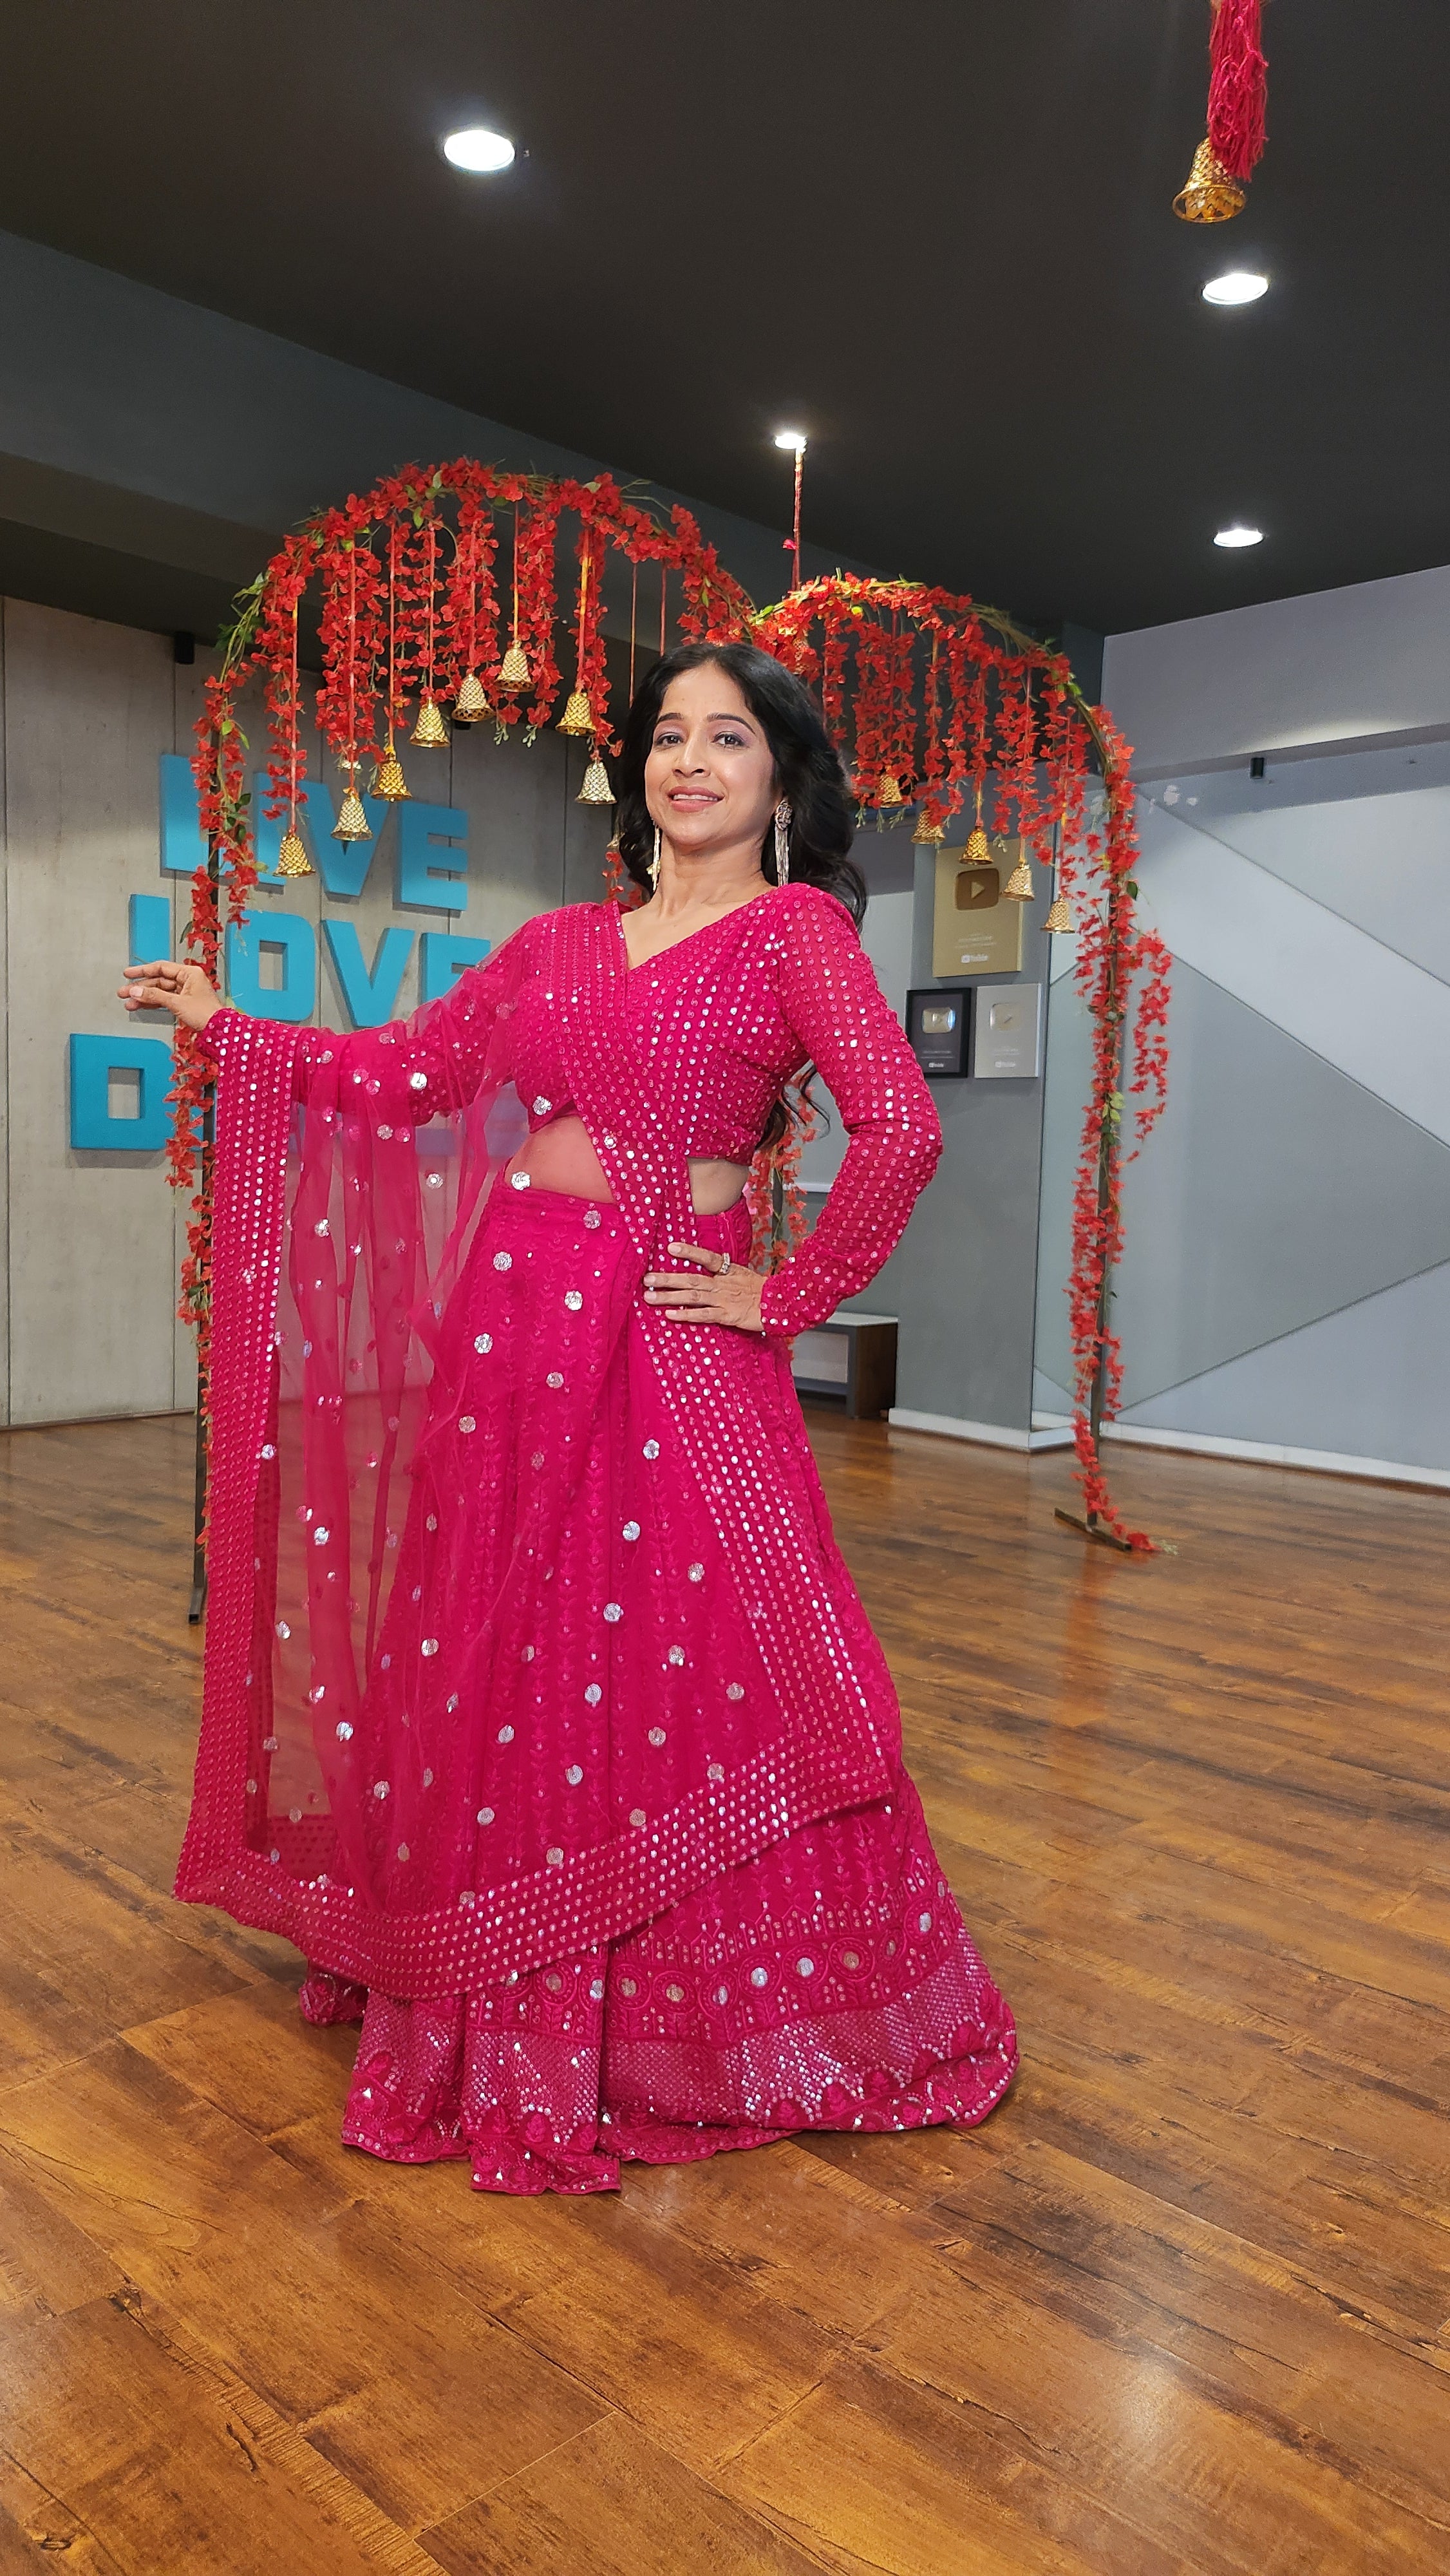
{"x": 540, "y": 1710}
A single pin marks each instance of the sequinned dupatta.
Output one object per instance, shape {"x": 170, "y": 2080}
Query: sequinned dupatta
{"x": 338, "y": 1231}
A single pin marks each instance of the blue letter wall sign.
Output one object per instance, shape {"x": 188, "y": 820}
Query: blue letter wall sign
{"x": 295, "y": 998}
{"x": 94, "y": 1126}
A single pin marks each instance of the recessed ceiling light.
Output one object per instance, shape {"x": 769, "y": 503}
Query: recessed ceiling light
{"x": 1239, "y": 536}
{"x": 477, "y": 147}
{"x": 1236, "y": 286}
{"x": 794, "y": 439}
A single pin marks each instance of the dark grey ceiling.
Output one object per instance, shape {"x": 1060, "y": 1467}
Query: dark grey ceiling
{"x": 937, "y": 236}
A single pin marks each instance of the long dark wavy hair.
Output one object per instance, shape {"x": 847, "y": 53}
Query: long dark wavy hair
{"x": 807, "y": 767}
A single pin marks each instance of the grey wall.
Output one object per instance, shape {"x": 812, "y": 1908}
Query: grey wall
{"x": 1335, "y": 666}
{"x": 1285, "y": 1289}
{"x": 963, "y": 1279}
{"x": 90, "y": 1242}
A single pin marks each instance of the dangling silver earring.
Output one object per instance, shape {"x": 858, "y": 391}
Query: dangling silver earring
{"x": 782, "y": 843}
{"x": 654, "y": 865}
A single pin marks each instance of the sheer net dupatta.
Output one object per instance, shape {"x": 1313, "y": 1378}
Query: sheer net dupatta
{"x": 350, "y": 1177}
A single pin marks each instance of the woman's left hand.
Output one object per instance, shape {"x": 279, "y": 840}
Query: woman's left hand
{"x": 730, "y": 1295}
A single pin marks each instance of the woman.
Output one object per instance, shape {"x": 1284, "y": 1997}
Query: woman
{"x": 540, "y": 1710}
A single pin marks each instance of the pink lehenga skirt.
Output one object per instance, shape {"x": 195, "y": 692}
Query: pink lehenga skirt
{"x": 569, "y": 1663}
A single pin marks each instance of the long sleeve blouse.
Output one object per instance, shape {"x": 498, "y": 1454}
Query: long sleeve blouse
{"x": 719, "y": 1023}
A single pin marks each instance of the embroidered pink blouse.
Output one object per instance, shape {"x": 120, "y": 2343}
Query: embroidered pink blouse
{"x": 720, "y": 1022}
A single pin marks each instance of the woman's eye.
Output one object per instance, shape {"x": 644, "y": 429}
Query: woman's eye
{"x": 732, "y": 741}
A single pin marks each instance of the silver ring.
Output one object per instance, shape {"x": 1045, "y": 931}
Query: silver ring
{"x": 724, "y": 1265}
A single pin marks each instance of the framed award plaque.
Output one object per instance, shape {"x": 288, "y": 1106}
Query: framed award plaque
{"x": 974, "y": 932}
{"x": 937, "y": 1025}
{"x": 1007, "y": 1032}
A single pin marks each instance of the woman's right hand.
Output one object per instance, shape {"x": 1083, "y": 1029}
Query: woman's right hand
{"x": 169, "y": 984}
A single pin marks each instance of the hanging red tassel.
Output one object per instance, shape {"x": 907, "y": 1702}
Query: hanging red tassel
{"x": 1237, "y": 93}
{"x": 1238, "y": 86}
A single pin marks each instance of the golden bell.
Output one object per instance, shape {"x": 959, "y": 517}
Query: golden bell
{"x": 513, "y": 670}
{"x": 979, "y": 848}
{"x": 1060, "y": 915}
{"x": 926, "y": 829}
{"x": 578, "y": 716}
{"x": 596, "y": 789}
{"x": 1210, "y": 196}
{"x": 388, "y": 779}
{"x": 889, "y": 790}
{"x": 471, "y": 701}
{"x": 430, "y": 732}
{"x": 1019, "y": 887}
{"x": 352, "y": 823}
{"x": 292, "y": 858}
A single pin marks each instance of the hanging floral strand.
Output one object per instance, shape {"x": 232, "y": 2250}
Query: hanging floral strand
{"x": 470, "y": 610}
{"x": 430, "y": 733}
{"x": 1110, "y": 954}
{"x": 536, "y": 607}
{"x": 875, "y": 780}
{"x": 286, "y": 764}
{"x": 833, "y": 672}
{"x": 931, "y": 822}
{"x": 587, "y": 713}
{"x": 353, "y": 635}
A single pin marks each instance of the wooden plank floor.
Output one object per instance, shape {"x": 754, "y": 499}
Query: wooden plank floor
{"x": 1181, "y": 2305}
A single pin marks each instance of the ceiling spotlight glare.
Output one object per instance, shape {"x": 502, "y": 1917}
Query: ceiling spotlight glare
{"x": 1237, "y": 286}
{"x": 793, "y": 439}
{"x": 1238, "y": 535}
{"x": 476, "y": 147}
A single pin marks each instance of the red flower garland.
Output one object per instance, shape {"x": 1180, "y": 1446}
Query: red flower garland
{"x": 995, "y": 699}
{"x": 418, "y": 625}
{"x": 592, "y": 675}
{"x": 774, "y": 1191}
{"x": 470, "y": 602}
{"x": 442, "y": 624}
{"x": 1015, "y": 710}
{"x": 934, "y": 800}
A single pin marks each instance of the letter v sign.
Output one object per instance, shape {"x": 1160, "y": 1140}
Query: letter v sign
{"x": 370, "y": 999}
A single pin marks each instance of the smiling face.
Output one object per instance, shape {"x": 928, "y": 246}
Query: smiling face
{"x": 709, "y": 777}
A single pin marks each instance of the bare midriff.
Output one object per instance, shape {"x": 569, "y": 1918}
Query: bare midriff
{"x": 561, "y": 1157}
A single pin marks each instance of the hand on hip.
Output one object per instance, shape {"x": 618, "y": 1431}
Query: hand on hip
{"x": 730, "y": 1294}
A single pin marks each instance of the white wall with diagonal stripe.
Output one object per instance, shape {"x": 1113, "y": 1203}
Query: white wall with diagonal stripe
{"x": 1285, "y": 1290}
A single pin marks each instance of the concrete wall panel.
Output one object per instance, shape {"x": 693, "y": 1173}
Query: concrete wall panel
{"x": 1333, "y": 666}
{"x": 91, "y": 1265}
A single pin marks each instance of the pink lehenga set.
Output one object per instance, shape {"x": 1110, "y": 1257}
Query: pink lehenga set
{"x": 540, "y": 1711}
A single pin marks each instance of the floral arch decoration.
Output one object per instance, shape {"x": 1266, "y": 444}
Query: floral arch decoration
{"x": 437, "y": 603}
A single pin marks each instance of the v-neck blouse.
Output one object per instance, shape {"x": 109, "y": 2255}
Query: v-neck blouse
{"x": 722, "y": 1020}
{"x": 657, "y": 956}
